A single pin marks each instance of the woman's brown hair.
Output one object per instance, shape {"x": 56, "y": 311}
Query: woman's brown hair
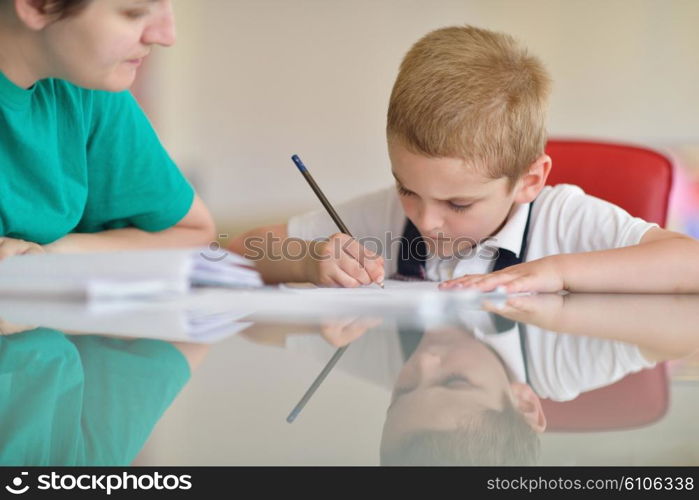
{"x": 63, "y": 8}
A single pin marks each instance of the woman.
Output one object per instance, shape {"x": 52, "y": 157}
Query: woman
{"x": 81, "y": 168}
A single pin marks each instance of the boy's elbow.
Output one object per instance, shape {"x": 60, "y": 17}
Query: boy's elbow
{"x": 255, "y": 241}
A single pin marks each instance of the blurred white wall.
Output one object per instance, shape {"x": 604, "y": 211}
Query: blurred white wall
{"x": 251, "y": 82}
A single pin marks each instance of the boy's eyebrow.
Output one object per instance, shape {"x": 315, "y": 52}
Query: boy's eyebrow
{"x": 465, "y": 199}
{"x": 396, "y": 177}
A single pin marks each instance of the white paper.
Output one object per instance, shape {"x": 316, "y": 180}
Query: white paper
{"x": 118, "y": 275}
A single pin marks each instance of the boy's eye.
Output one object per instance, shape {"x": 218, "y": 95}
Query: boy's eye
{"x": 457, "y": 381}
{"x": 458, "y": 208}
{"x": 404, "y": 192}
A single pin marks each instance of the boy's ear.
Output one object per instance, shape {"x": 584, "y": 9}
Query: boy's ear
{"x": 528, "y": 405}
{"x": 533, "y": 181}
{"x": 33, "y": 13}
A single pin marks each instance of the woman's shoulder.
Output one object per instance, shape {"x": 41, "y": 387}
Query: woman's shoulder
{"x": 64, "y": 93}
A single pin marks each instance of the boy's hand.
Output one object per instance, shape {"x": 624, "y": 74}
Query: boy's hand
{"x": 342, "y": 261}
{"x": 541, "y": 275}
{"x": 11, "y": 246}
{"x": 543, "y": 310}
{"x": 342, "y": 331}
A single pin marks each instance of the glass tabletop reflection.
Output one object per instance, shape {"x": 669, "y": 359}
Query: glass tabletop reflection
{"x": 434, "y": 379}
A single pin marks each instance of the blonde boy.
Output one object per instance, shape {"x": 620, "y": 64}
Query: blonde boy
{"x": 466, "y": 136}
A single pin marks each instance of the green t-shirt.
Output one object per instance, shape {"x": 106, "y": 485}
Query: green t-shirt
{"x": 82, "y": 400}
{"x": 77, "y": 160}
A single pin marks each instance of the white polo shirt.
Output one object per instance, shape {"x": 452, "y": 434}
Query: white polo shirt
{"x": 564, "y": 220}
{"x": 561, "y": 366}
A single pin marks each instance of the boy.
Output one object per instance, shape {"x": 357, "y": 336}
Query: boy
{"x": 456, "y": 402}
{"x": 466, "y": 136}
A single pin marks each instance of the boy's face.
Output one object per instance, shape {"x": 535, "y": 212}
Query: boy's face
{"x": 451, "y": 377}
{"x": 102, "y": 46}
{"x": 450, "y": 203}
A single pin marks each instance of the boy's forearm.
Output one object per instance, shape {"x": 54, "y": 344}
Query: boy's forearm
{"x": 625, "y": 317}
{"x": 282, "y": 270}
{"x": 656, "y": 323}
{"x": 132, "y": 239}
{"x": 277, "y": 260}
{"x": 665, "y": 266}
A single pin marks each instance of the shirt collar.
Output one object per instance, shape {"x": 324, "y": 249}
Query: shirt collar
{"x": 12, "y": 95}
{"x": 509, "y": 237}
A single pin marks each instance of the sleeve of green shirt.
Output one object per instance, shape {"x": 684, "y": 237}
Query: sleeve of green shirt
{"x": 132, "y": 181}
{"x": 128, "y": 386}
{"x": 82, "y": 400}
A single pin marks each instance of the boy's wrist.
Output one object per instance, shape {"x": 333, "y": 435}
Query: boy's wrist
{"x": 562, "y": 264}
{"x": 304, "y": 268}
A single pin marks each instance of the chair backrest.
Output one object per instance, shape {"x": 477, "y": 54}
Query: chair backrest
{"x": 635, "y": 178}
{"x": 637, "y": 400}
{"x": 638, "y": 180}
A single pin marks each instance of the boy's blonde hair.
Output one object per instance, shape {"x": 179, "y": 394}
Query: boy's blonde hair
{"x": 470, "y": 93}
{"x": 496, "y": 437}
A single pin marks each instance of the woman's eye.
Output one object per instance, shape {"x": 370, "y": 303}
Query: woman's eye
{"x": 135, "y": 14}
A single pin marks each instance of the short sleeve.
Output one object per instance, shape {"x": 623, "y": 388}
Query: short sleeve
{"x": 132, "y": 181}
{"x": 585, "y": 223}
{"x": 128, "y": 386}
{"x": 41, "y": 383}
{"x": 83, "y": 400}
{"x": 563, "y": 366}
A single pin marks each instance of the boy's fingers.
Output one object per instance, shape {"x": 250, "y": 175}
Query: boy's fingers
{"x": 353, "y": 331}
{"x": 354, "y": 269}
{"x": 490, "y": 282}
{"x": 374, "y": 267}
{"x": 461, "y": 282}
{"x": 523, "y": 284}
{"x": 341, "y": 332}
{"x": 520, "y": 304}
{"x": 344, "y": 280}
{"x": 370, "y": 261}
{"x": 335, "y": 326}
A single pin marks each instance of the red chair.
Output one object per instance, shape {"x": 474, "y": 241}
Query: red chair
{"x": 639, "y": 181}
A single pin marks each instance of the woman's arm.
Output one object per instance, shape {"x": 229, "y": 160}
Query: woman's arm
{"x": 195, "y": 229}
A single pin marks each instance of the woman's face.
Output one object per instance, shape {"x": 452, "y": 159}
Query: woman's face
{"x": 102, "y": 46}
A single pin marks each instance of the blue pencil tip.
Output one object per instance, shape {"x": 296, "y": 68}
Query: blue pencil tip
{"x": 299, "y": 163}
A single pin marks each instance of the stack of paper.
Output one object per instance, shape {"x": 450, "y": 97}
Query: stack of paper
{"x": 176, "y": 320}
{"x": 124, "y": 274}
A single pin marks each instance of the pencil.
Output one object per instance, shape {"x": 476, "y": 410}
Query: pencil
{"x": 316, "y": 383}
{"x": 339, "y": 352}
{"x": 316, "y": 189}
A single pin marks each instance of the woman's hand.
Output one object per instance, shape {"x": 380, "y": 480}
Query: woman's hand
{"x": 11, "y": 246}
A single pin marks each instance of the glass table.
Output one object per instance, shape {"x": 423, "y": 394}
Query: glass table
{"x": 422, "y": 377}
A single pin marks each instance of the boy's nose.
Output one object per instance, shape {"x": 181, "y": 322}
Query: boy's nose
{"x": 161, "y": 30}
{"x": 429, "y": 222}
{"x": 426, "y": 364}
